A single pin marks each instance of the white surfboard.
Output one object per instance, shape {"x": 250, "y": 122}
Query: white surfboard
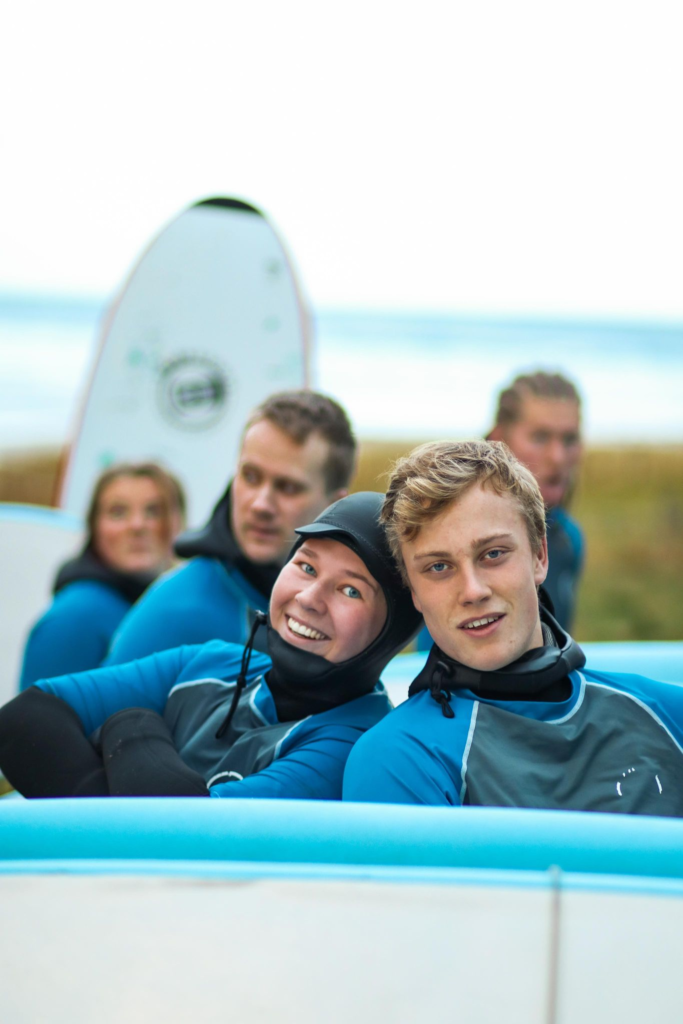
{"x": 333, "y": 911}
{"x": 209, "y": 323}
{"x": 382, "y": 951}
{"x": 34, "y": 541}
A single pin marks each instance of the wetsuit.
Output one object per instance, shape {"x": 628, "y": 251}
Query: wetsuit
{"x": 613, "y": 745}
{"x": 565, "y": 564}
{"x": 75, "y": 632}
{"x": 213, "y": 597}
{"x": 192, "y": 688}
{"x": 584, "y": 740}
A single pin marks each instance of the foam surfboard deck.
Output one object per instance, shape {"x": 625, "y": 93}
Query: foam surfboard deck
{"x": 302, "y": 952}
{"x": 209, "y": 323}
{"x": 34, "y": 541}
{"x": 334, "y": 911}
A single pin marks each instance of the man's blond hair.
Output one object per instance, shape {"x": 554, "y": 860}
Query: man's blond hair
{"x": 434, "y": 475}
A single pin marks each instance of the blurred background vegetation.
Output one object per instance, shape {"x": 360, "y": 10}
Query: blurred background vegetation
{"x": 629, "y": 501}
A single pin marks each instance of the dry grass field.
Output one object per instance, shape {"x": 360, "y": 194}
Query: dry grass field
{"x": 629, "y": 501}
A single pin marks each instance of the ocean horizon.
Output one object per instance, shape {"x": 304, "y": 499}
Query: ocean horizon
{"x": 399, "y": 374}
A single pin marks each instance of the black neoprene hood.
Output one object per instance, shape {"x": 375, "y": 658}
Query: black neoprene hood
{"x": 304, "y": 684}
{"x": 354, "y": 522}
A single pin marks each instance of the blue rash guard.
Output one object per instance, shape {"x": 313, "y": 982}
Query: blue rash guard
{"x": 259, "y": 756}
{"x": 75, "y": 632}
{"x": 615, "y": 745}
{"x": 207, "y": 599}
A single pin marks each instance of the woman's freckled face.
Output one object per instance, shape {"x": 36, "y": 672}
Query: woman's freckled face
{"x": 325, "y": 601}
{"x": 132, "y": 528}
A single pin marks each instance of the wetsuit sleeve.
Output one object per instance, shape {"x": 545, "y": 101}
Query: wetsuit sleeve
{"x": 50, "y": 651}
{"x": 96, "y": 695}
{"x": 70, "y": 638}
{"x": 312, "y": 770}
{"x": 389, "y": 768}
{"x": 44, "y": 751}
{"x": 192, "y": 605}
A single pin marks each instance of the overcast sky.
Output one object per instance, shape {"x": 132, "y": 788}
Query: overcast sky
{"x": 481, "y": 157}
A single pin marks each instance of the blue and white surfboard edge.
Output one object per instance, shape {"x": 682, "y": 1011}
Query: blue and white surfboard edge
{"x": 307, "y": 911}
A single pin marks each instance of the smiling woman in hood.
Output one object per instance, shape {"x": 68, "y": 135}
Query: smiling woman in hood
{"x": 224, "y": 720}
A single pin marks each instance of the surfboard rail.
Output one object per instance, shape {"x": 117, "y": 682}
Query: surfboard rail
{"x": 334, "y": 839}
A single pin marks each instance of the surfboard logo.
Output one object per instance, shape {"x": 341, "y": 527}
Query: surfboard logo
{"x": 193, "y": 392}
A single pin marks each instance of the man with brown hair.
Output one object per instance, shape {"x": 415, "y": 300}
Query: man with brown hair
{"x": 504, "y": 712}
{"x": 297, "y": 457}
{"x": 539, "y": 418}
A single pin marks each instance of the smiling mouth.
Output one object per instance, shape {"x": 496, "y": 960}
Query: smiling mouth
{"x": 306, "y": 632}
{"x": 482, "y": 625}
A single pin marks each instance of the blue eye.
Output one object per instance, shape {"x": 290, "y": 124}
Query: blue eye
{"x": 307, "y": 568}
{"x": 351, "y": 592}
{"x": 438, "y": 567}
{"x": 494, "y": 554}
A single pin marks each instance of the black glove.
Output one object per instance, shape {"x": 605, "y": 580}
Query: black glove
{"x": 141, "y": 760}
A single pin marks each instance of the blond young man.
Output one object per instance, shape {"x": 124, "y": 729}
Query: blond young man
{"x": 504, "y": 712}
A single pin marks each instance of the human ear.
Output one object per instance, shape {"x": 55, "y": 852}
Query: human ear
{"x": 541, "y": 563}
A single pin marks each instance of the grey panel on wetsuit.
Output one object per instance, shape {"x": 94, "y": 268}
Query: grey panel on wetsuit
{"x": 194, "y": 713}
{"x": 610, "y": 755}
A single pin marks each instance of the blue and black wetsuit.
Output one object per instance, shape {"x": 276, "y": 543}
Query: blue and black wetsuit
{"x": 74, "y": 634}
{"x": 577, "y": 740}
{"x": 183, "y": 696}
{"x": 565, "y": 564}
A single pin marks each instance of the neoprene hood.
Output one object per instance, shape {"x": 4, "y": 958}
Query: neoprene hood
{"x": 354, "y": 522}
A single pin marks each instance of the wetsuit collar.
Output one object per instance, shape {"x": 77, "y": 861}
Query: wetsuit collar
{"x": 88, "y": 566}
{"x": 540, "y": 674}
{"x": 216, "y": 540}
